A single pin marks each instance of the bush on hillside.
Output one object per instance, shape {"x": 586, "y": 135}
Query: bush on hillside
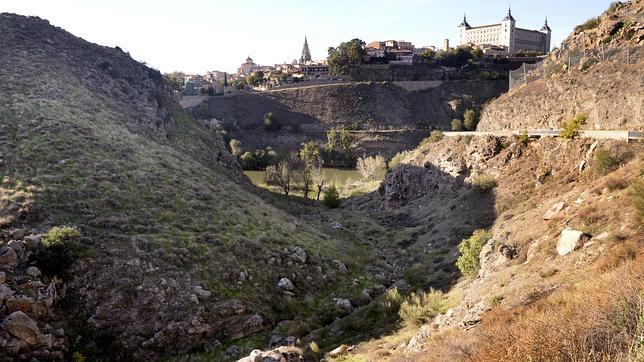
{"x": 470, "y": 120}
{"x": 397, "y": 159}
{"x": 332, "y": 198}
{"x": 58, "y": 251}
{"x": 420, "y": 308}
{"x": 483, "y": 183}
{"x": 606, "y": 161}
{"x": 372, "y": 167}
{"x": 457, "y": 125}
{"x": 636, "y": 194}
{"x": 589, "y": 24}
{"x": 271, "y": 123}
{"x": 570, "y": 128}
{"x": 235, "y": 147}
{"x": 436, "y": 136}
{"x": 468, "y": 262}
{"x": 524, "y": 139}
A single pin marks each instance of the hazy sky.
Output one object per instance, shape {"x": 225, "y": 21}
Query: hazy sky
{"x": 200, "y": 35}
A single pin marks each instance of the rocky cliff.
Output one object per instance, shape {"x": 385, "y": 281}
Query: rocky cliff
{"x": 362, "y": 106}
{"x": 596, "y": 71}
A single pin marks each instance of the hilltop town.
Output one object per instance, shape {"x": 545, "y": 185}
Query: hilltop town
{"x": 490, "y": 43}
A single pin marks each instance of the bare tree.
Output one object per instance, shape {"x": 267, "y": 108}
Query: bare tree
{"x": 306, "y": 176}
{"x": 281, "y": 175}
{"x": 319, "y": 176}
{"x": 372, "y": 167}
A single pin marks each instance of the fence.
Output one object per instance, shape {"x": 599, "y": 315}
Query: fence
{"x": 582, "y": 59}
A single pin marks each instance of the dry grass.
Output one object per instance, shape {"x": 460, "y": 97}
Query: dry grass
{"x": 598, "y": 320}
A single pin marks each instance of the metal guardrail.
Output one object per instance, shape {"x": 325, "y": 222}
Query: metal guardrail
{"x": 595, "y": 134}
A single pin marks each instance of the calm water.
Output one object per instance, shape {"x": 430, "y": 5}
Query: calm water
{"x": 337, "y": 176}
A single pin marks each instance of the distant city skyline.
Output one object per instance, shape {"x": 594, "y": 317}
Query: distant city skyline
{"x": 207, "y": 36}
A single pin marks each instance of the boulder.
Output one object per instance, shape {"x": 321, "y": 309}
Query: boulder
{"x": 18, "y": 234}
{"x": 335, "y": 225}
{"x": 339, "y": 351}
{"x": 344, "y": 304}
{"x": 33, "y": 271}
{"x": 285, "y": 284}
{"x": 299, "y": 254}
{"x": 199, "y": 291}
{"x": 32, "y": 242}
{"x": 362, "y": 299}
{"x": 554, "y": 210}
{"x": 8, "y": 256}
{"x": 342, "y": 268}
{"x": 19, "y": 325}
{"x": 570, "y": 240}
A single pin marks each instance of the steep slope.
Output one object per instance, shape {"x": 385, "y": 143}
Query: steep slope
{"x": 596, "y": 71}
{"x": 180, "y": 253}
{"x": 362, "y": 106}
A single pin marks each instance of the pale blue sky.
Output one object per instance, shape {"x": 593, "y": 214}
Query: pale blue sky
{"x": 200, "y": 35}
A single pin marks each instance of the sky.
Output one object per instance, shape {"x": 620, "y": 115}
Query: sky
{"x": 196, "y": 36}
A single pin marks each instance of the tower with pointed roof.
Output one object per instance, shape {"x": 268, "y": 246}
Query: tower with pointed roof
{"x": 306, "y": 53}
{"x": 505, "y": 36}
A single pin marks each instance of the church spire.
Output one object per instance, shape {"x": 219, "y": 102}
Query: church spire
{"x": 464, "y": 23}
{"x": 306, "y": 53}
{"x": 545, "y": 26}
{"x": 509, "y": 16}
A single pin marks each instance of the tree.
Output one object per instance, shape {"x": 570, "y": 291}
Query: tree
{"x": 255, "y": 79}
{"x": 281, "y": 175}
{"x": 235, "y": 147}
{"x": 470, "y": 119}
{"x": 344, "y": 56}
{"x": 175, "y": 80}
{"x": 372, "y": 167}
{"x": 271, "y": 123}
{"x": 457, "y": 125}
{"x": 309, "y": 153}
{"x": 319, "y": 176}
{"x": 345, "y": 142}
{"x": 468, "y": 262}
{"x": 331, "y": 141}
{"x": 332, "y": 198}
{"x": 306, "y": 176}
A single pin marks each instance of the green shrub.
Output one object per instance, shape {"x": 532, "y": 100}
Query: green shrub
{"x": 524, "y": 139}
{"x": 58, "y": 251}
{"x": 420, "y": 308}
{"x": 436, "y": 136}
{"x": 495, "y": 300}
{"x": 397, "y": 159}
{"x": 606, "y": 161}
{"x": 457, "y": 125}
{"x": 483, "y": 183}
{"x": 332, "y": 198}
{"x": 570, "y": 129}
{"x": 235, "y": 147}
{"x": 591, "y": 23}
{"x": 468, "y": 262}
{"x": 470, "y": 119}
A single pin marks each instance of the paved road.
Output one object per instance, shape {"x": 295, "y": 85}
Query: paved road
{"x": 613, "y": 135}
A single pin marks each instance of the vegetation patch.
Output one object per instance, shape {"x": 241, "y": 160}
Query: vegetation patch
{"x": 468, "y": 262}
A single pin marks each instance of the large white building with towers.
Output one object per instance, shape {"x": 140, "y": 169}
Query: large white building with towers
{"x": 506, "y": 34}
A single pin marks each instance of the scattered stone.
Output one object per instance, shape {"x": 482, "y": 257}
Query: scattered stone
{"x": 554, "y": 210}
{"x": 335, "y": 225}
{"x": 3, "y": 277}
{"x": 18, "y": 246}
{"x": 603, "y": 236}
{"x": 21, "y": 326}
{"x": 33, "y": 241}
{"x": 339, "y": 351}
{"x": 299, "y": 254}
{"x": 33, "y": 271}
{"x": 242, "y": 276}
{"x": 363, "y": 299}
{"x": 202, "y": 292}
{"x": 255, "y": 355}
{"x": 341, "y": 266}
{"x": 274, "y": 341}
{"x": 508, "y": 251}
{"x": 570, "y": 241}
{"x": 285, "y": 284}
{"x": 344, "y": 304}
{"x": 18, "y": 234}
{"x": 232, "y": 351}
{"x": 8, "y": 256}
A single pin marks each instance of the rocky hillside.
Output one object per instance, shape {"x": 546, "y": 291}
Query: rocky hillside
{"x": 360, "y": 106}
{"x": 563, "y": 227}
{"x": 125, "y": 228}
{"x": 596, "y": 71}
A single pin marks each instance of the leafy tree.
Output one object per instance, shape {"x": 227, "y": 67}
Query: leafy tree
{"x": 571, "y": 128}
{"x": 271, "y": 123}
{"x": 58, "y": 251}
{"x": 235, "y": 147}
{"x": 175, "y": 80}
{"x": 468, "y": 262}
{"x": 255, "y": 79}
{"x": 345, "y": 142}
{"x": 470, "y": 119}
{"x": 331, "y": 141}
{"x": 344, "y": 56}
{"x": 309, "y": 153}
{"x": 332, "y": 198}
{"x": 457, "y": 125}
